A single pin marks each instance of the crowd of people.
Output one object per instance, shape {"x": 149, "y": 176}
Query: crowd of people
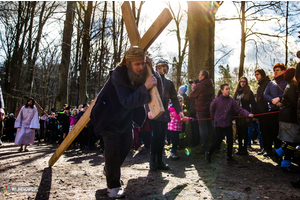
{"x": 126, "y": 121}
{"x": 51, "y": 128}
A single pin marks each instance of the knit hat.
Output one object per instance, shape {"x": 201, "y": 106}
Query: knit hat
{"x": 289, "y": 74}
{"x": 133, "y": 53}
{"x": 183, "y": 89}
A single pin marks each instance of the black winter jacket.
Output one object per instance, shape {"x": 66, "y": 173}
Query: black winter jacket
{"x": 288, "y": 108}
{"x": 262, "y": 104}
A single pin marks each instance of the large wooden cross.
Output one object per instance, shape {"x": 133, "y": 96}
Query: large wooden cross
{"x": 155, "y": 106}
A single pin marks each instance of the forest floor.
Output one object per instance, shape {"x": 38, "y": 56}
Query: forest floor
{"x": 78, "y": 174}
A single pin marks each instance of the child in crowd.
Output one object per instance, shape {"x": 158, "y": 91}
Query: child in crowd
{"x": 73, "y": 120}
{"x": 221, "y": 111}
{"x": 175, "y": 126}
{"x": 52, "y": 124}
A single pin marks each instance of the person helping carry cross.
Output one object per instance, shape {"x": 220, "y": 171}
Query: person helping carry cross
{"x": 120, "y": 102}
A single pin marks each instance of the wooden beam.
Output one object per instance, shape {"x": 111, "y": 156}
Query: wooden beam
{"x": 131, "y": 27}
{"x": 155, "y": 105}
{"x": 155, "y": 29}
{"x": 72, "y": 135}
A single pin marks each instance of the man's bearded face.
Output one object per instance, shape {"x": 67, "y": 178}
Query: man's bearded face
{"x": 137, "y": 72}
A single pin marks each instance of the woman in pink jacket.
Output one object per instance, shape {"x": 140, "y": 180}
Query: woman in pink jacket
{"x": 175, "y": 126}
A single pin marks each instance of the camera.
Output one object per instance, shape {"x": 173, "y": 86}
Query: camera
{"x": 196, "y": 81}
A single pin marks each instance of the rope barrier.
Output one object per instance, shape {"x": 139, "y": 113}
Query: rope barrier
{"x": 234, "y": 117}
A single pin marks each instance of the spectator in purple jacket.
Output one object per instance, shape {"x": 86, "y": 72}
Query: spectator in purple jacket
{"x": 204, "y": 93}
{"x": 221, "y": 111}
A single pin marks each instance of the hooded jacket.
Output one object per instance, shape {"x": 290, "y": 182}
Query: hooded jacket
{"x": 203, "y": 93}
{"x": 118, "y": 103}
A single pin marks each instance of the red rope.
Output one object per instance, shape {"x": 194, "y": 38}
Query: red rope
{"x": 268, "y": 113}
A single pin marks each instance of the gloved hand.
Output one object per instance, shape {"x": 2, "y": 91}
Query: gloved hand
{"x": 192, "y": 119}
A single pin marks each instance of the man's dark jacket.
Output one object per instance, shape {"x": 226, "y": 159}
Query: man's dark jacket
{"x": 118, "y": 97}
{"x": 262, "y": 104}
{"x": 65, "y": 122}
{"x": 204, "y": 93}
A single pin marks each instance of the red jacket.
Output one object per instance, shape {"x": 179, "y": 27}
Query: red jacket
{"x": 203, "y": 93}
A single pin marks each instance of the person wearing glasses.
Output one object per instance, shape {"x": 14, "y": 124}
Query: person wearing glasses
{"x": 245, "y": 98}
{"x": 273, "y": 95}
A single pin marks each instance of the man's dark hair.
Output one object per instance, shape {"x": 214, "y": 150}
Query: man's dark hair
{"x": 205, "y": 73}
{"x": 261, "y": 72}
{"x": 33, "y": 102}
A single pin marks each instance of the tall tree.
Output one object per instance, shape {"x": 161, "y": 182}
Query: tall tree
{"x": 85, "y": 52}
{"x": 201, "y": 33}
{"x": 61, "y": 98}
{"x": 243, "y": 39}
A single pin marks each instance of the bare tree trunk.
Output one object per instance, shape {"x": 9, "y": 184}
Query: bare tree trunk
{"x": 121, "y": 40}
{"x": 17, "y": 58}
{"x": 201, "y": 29}
{"x": 85, "y": 53}
{"x": 30, "y": 47}
{"x": 243, "y": 40}
{"x": 62, "y": 95}
{"x": 74, "y": 89}
{"x": 114, "y": 35}
{"x": 102, "y": 51}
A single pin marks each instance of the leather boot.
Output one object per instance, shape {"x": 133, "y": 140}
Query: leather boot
{"x": 160, "y": 164}
{"x": 153, "y": 162}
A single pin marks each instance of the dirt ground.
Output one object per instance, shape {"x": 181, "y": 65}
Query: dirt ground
{"x": 78, "y": 175}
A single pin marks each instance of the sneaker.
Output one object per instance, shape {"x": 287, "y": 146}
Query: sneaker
{"x": 231, "y": 160}
{"x": 116, "y": 192}
{"x": 207, "y": 157}
{"x": 174, "y": 157}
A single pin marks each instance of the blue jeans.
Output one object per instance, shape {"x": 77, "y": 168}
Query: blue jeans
{"x": 206, "y": 129}
{"x": 250, "y": 133}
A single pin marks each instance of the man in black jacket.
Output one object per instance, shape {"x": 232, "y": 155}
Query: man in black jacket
{"x": 120, "y": 102}
{"x": 159, "y": 126}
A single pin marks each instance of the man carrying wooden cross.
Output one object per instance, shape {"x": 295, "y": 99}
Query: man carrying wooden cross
{"x": 120, "y": 102}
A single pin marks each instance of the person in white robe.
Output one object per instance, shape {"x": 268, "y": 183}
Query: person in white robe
{"x": 26, "y": 123}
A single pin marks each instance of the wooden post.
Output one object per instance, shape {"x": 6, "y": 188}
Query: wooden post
{"x": 155, "y": 106}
